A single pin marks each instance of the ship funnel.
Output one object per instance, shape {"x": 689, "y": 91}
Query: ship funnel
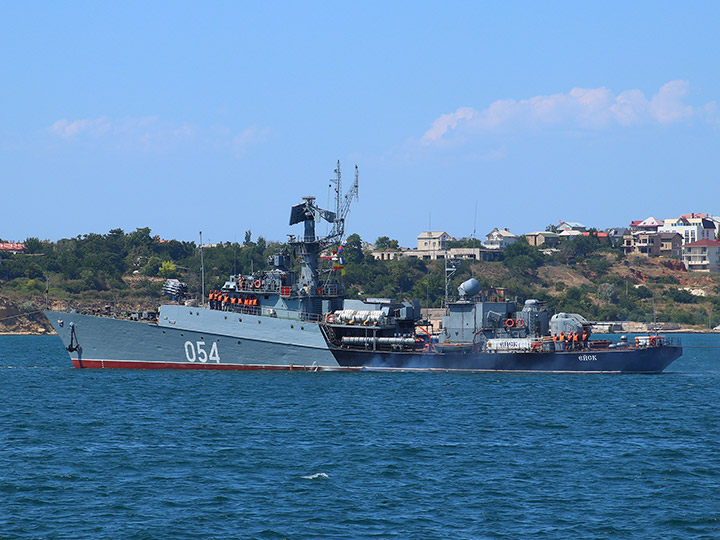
{"x": 469, "y": 288}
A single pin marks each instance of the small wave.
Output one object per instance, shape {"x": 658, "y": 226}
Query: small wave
{"x": 316, "y": 475}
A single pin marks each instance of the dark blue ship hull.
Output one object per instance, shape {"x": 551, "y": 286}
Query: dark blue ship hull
{"x": 634, "y": 360}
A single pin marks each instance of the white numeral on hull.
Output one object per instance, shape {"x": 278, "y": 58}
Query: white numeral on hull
{"x": 197, "y": 351}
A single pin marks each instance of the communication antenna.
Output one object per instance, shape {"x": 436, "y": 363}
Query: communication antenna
{"x": 472, "y": 238}
{"x": 342, "y": 206}
{"x": 202, "y": 272}
{"x": 338, "y": 188}
{"x": 450, "y": 270}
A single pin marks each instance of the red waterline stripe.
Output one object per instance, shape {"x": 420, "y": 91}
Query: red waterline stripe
{"x": 123, "y": 364}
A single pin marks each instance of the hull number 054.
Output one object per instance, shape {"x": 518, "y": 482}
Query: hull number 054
{"x": 198, "y": 351}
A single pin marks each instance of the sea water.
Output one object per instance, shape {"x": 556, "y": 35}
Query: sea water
{"x": 271, "y": 455}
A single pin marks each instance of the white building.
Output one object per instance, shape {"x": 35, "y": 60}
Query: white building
{"x": 432, "y": 240}
{"x": 570, "y": 226}
{"x": 499, "y": 238}
{"x": 702, "y": 256}
{"x": 692, "y": 228}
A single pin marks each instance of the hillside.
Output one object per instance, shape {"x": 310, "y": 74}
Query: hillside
{"x": 126, "y": 272}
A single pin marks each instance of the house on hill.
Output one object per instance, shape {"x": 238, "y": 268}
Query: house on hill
{"x": 653, "y": 244}
{"x": 499, "y": 238}
{"x": 692, "y": 227}
{"x": 671, "y": 245}
{"x": 433, "y": 245}
{"x": 542, "y": 238}
{"x": 570, "y": 226}
{"x": 432, "y": 240}
{"x": 12, "y": 247}
{"x": 646, "y": 225}
{"x": 702, "y": 256}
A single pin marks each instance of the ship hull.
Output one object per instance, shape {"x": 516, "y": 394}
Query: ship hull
{"x": 239, "y": 343}
{"x": 642, "y": 360}
{"x": 193, "y": 338}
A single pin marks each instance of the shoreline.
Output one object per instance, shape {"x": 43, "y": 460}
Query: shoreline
{"x": 633, "y": 332}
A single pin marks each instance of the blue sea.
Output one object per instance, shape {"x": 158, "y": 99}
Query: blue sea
{"x": 199, "y": 454}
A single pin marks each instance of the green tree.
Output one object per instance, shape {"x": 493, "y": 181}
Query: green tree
{"x": 33, "y": 245}
{"x": 521, "y": 257}
{"x": 167, "y": 270}
{"x": 152, "y": 267}
{"x": 353, "y": 250}
{"x": 33, "y": 271}
{"x": 385, "y": 243}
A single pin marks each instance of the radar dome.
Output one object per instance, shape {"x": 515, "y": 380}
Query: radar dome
{"x": 469, "y": 288}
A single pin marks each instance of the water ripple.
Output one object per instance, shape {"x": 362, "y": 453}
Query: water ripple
{"x": 146, "y": 455}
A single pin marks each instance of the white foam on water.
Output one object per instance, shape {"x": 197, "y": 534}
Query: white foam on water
{"x": 316, "y": 475}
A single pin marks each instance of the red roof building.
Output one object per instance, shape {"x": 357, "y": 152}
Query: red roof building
{"x": 12, "y": 247}
{"x": 702, "y": 256}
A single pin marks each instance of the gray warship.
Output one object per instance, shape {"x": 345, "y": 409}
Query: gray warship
{"x": 275, "y": 320}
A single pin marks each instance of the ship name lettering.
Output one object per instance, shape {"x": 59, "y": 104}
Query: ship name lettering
{"x": 587, "y": 357}
{"x": 197, "y": 351}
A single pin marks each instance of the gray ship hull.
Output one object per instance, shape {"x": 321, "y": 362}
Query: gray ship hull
{"x": 193, "y": 338}
{"x": 643, "y": 360}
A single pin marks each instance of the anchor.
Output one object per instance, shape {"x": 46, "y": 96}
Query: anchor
{"x": 76, "y": 346}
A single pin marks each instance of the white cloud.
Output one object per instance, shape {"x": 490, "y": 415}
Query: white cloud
{"x": 93, "y": 127}
{"x": 247, "y": 137}
{"x": 251, "y": 135}
{"x": 447, "y": 122}
{"x": 666, "y": 106}
{"x": 152, "y": 134}
{"x": 580, "y": 108}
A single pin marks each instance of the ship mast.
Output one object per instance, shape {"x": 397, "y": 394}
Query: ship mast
{"x": 309, "y": 246}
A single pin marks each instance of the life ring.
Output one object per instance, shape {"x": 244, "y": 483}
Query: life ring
{"x": 258, "y": 283}
{"x": 536, "y": 347}
{"x": 330, "y": 319}
{"x": 653, "y": 341}
{"x": 520, "y": 323}
{"x": 510, "y": 323}
{"x": 318, "y": 291}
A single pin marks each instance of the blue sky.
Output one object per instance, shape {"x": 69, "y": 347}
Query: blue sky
{"x": 219, "y": 116}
